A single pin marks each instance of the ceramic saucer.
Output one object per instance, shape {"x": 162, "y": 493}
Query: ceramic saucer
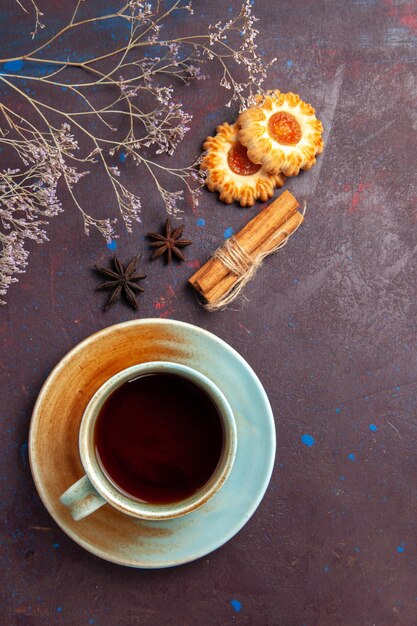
{"x": 55, "y": 461}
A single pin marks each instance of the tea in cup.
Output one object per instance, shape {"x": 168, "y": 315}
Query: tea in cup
{"x": 157, "y": 441}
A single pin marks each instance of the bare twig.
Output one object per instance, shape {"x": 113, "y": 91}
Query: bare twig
{"x": 153, "y": 118}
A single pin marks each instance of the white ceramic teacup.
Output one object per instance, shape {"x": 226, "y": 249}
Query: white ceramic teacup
{"x": 94, "y": 489}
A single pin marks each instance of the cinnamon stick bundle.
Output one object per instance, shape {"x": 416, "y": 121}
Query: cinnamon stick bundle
{"x": 218, "y": 280}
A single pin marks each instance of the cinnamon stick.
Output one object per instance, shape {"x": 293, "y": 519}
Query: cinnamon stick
{"x": 226, "y": 283}
{"x": 260, "y": 236}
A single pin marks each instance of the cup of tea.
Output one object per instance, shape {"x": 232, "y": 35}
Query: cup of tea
{"x": 157, "y": 441}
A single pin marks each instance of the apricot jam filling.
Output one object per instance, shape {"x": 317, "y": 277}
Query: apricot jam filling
{"x": 284, "y": 128}
{"x": 239, "y": 163}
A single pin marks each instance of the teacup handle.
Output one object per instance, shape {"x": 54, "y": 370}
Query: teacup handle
{"x": 82, "y": 499}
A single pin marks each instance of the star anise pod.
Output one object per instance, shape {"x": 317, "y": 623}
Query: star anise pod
{"x": 121, "y": 280}
{"x": 170, "y": 243}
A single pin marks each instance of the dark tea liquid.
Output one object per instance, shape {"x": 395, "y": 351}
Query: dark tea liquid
{"x": 159, "y": 438}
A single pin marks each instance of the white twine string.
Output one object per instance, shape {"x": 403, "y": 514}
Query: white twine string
{"x": 243, "y": 265}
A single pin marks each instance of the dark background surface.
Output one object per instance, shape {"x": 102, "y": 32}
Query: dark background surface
{"x": 329, "y": 328}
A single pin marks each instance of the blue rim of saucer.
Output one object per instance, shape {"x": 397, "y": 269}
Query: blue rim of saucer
{"x": 208, "y": 528}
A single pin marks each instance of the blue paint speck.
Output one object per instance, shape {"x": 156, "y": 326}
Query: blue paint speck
{"x": 24, "y": 453}
{"x": 56, "y": 545}
{"x": 326, "y": 568}
{"x": 357, "y": 549}
{"x": 91, "y": 620}
{"x": 122, "y": 157}
{"x": 289, "y": 63}
{"x": 337, "y": 410}
{"x": 373, "y": 427}
{"x": 228, "y": 232}
{"x": 341, "y": 478}
{"x": 59, "y": 609}
{"x": 400, "y": 548}
{"x": 291, "y": 323}
{"x": 13, "y": 66}
{"x": 308, "y": 440}
{"x": 112, "y": 245}
{"x": 351, "y": 456}
{"x": 236, "y": 605}
{"x": 201, "y": 222}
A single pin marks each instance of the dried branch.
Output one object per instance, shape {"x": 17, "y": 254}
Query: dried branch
{"x": 143, "y": 115}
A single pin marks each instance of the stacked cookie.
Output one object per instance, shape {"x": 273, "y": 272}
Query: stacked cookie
{"x": 277, "y": 137}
